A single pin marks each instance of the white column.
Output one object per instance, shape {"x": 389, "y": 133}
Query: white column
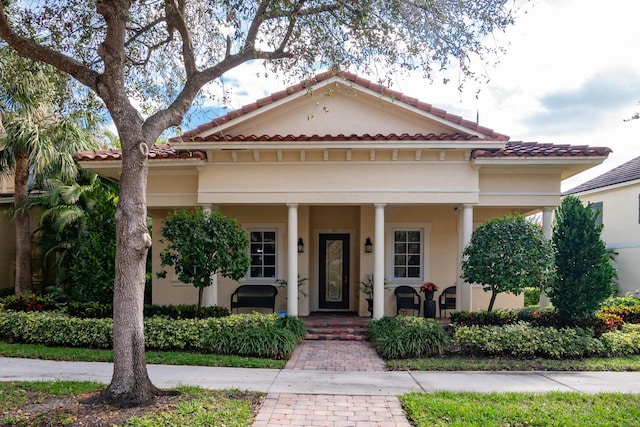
{"x": 464, "y": 290}
{"x": 547, "y": 230}
{"x": 292, "y": 262}
{"x": 547, "y": 222}
{"x": 210, "y": 293}
{"x": 378, "y": 259}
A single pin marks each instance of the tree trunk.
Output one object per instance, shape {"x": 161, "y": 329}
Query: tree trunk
{"x": 23, "y": 227}
{"x": 130, "y": 384}
{"x": 494, "y": 294}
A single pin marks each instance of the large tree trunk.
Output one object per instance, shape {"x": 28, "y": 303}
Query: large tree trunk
{"x": 130, "y": 384}
{"x": 23, "y": 227}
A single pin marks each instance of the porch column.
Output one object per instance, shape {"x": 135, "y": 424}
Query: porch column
{"x": 464, "y": 290}
{"x": 210, "y": 293}
{"x": 547, "y": 222}
{"x": 292, "y": 261}
{"x": 378, "y": 259}
{"x": 547, "y": 230}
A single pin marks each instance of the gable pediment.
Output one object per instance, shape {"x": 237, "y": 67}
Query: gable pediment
{"x": 339, "y": 105}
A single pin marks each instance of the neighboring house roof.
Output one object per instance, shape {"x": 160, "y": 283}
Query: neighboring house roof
{"x": 206, "y": 132}
{"x": 626, "y": 172}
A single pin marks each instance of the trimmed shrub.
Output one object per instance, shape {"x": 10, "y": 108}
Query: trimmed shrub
{"x": 622, "y": 342}
{"x": 521, "y": 341}
{"x": 403, "y": 337}
{"x": 255, "y": 334}
{"x": 96, "y": 310}
{"x": 29, "y": 302}
{"x": 483, "y": 318}
{"x": 55, "y": 329}
{"x": 532, "y": 296}
{"x": 628, "y": 314}
{"x": 626, "y": 301}
{"x": 185, "y": 311}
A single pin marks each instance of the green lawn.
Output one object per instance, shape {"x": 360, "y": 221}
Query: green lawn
{"x": 192, "y": 407}
{"x": 521, "y": 409}
{"x": 35, "y": 351}
{"x": 450, "y": 363}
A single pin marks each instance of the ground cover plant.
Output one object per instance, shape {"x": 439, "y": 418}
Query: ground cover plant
{"x": 521, "y": 409}
{"x": 68, "y": 403}
{"x": 407, "y": 336}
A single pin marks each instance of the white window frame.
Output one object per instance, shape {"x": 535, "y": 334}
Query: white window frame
{"x": 280, "y": 245}
{"x": 425, "y": 230}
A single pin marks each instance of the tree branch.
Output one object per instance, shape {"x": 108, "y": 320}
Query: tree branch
{"x": 175, "y": 19}
{"x": 30, "y": 49}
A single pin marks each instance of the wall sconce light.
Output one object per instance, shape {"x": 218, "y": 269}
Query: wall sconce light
{"x": 368, "y": 246}
{"x": 300, "y": 245}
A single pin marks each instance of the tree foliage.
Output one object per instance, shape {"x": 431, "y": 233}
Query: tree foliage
{"x": 507, "y": 254}
{"x": 584, "y": 273}
{"x": 36, "y": 141}
{"x": 148, "y": 61}
{"x": 201, "y": 244}
{"x": 76, "y": 236}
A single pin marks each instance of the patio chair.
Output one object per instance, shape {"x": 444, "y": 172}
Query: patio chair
{"x": 447, "y": 300}
{"x": 406, "y": 299}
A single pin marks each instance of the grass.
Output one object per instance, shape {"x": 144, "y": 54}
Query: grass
{"x": 35, "y": 351}
{"x": 193, "y": 407}
{"x": 521, "y": 409}
{"x": 451, "y": 363}
{"x": 18, "y": 394}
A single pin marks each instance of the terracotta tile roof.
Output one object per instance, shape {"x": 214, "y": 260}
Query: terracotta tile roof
{"x": 534, "y": 149}
{"x": 367, "y": 84}
{"x": 626, "y": 172}
{"x": 156, "y": 152}
{"x": 340, "y": 137}
{"x": 512, "y": 149}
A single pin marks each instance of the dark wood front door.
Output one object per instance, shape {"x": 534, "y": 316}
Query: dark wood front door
{"x": 334, "y": 272}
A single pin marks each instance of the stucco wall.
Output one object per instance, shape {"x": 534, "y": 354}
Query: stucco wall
{"x": 440, "y": 262}
{"x": 621, "y": 232}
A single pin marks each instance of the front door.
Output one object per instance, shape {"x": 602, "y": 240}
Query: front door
{"x": 334, "y": 272}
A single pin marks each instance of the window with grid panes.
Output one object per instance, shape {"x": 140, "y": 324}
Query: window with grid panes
{"x": 407, "y": 254}
{"x": 263, "y": 254}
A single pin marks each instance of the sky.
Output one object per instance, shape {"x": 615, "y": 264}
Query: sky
{"x": 570, "y": 75}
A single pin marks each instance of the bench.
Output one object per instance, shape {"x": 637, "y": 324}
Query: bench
{"x": 254, "y": 296}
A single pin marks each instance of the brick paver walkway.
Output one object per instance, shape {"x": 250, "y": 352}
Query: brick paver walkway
{"x": 335, "y": 356}
{"x": 337, "y": 410}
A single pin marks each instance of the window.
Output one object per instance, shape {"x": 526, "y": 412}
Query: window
{"x": 262, "y": 250}
{"x": 597, "y": 208}
{"x": 407, "y": 253}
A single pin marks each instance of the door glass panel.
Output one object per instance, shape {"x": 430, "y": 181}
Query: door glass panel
{"x": 334, "y": 268}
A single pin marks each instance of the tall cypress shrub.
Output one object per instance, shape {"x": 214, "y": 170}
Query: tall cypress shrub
{"x": 584, "y": 275}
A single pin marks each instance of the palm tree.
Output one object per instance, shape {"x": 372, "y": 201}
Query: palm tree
{"x": 78, "y": 217}
{"x": 36, "y": 141}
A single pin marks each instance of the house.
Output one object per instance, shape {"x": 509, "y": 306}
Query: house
{"x": 318, "y": 170}
{"x": 616, "y": 195}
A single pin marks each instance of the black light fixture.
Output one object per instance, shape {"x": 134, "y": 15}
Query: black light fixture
{"x": 368, "y": 246}
{"x": 300, "y": 245}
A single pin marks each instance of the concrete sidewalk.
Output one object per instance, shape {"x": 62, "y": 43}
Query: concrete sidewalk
{"x": 328, "y": 383}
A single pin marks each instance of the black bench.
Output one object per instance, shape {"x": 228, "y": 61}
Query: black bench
{"x": 255, "y": 296}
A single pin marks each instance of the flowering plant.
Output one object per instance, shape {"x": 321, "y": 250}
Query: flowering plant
{"x": 429, "y": 287}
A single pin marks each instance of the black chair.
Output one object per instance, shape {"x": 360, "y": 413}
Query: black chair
{"x": 447, "y": 300}
{"x": 406, "y": 299}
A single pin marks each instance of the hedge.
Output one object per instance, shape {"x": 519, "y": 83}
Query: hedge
{"x": 259, "y": 335}
{"x": 100, "y": 310}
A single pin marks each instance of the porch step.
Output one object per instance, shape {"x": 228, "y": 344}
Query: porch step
{"x": 343, "y": 328}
